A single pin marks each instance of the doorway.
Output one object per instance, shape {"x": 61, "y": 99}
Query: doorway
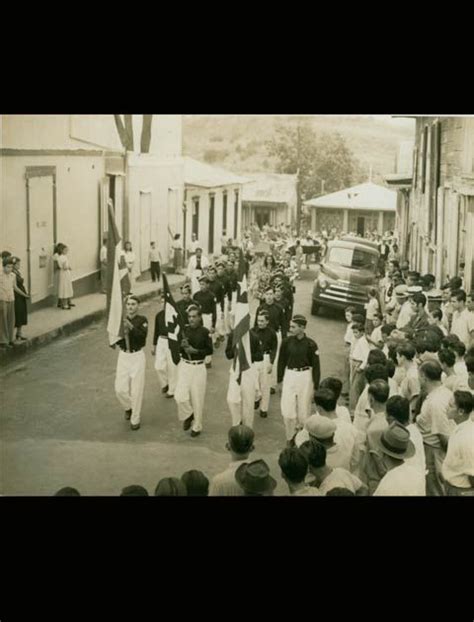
{"x": 212, "y": 202}
{"x": 361, "y": 226}
{"x": 145, "y": 228}
{"x": 262, "y": 216}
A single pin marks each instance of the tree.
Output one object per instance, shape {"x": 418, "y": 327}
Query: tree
{"x": 317, "y": 159}
{"x": 125, "y": 132}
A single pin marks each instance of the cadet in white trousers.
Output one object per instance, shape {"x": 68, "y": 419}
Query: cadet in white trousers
{"x": 299, "y": 368}
{"x": 268, "y": 343}
{"x": 130, "y": 374}
{"x": 276, "y": 318}
{"x": 241, "y": 397}
{"x": 166, "y": 370}
{"x": 206, "y": 301}
{"x": 192, "y": 373}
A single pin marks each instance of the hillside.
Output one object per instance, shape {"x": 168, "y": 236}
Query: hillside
{"x": 238, "y": 142}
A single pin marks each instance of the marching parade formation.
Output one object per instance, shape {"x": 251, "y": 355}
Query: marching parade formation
{"x": 398, "y": 421}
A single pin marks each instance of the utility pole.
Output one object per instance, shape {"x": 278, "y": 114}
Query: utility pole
{"x": 298, "y": 184}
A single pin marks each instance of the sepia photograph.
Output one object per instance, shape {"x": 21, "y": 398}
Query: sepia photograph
{"x": 236, "y": 305}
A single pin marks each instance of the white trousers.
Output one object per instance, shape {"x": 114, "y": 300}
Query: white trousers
{"x": 296, "y": 396}
{"x": 130, "y": 382}
{"x": 227, "y": 318}
{"x": 166, "y": 370}
{"x": 190, "y": 392}
{"x": 275, "y": 363}
{"x": 241, "y": 398}
{"x": 207, "y": 323}
{"x": 220, "y": 322}
{"x": 264, "y": 381}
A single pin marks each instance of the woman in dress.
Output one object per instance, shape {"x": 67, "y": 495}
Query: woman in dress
{"x": 65, "y": 291}
{"x": 130, "y": 260}
{"x": 266, "y": 273}
{"x": 177, "y": 254}
{"x": 21, "y": 295}
{"x": 57, "y": 249}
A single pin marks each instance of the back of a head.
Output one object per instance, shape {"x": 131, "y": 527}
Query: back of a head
{"x": 170, "y": 487}
{"x": 469, "y": 360}
{"x": 447, "y": 357}
{"x": 450, "y": 340}
{"x": 315, "y": 453}
{"x": 67, "y": 492}
{"x": 379, "y": 390}
{"x": 464, "y": 401}
{"x": 387, "y": 329}
{"x": 376, "y": 372}
{"x": 333, "y": 384}
{"x": 398, "y": 408}
{"x": 293, "y": 464}
{"x": 134, "y": 491}
{"x": 407, "y": 350}
{"x": 340, "y": 492}
{"x": 376, "y": 356}
{"x": 197, "y": 484}
{"x": 326, "y": 399}
{"x": 241, "y": 439}
{"x": 431, "y": 370}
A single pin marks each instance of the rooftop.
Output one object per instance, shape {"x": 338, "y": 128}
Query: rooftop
{"x": 367, "y": 196}
{"x": 270, "y": 188}
{"x": 204, "y": 175}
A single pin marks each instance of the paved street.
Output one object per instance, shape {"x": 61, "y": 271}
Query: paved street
{"x": 61, "y": 423}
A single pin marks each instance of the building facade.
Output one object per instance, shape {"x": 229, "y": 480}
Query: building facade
{"x": 269, "y": 199}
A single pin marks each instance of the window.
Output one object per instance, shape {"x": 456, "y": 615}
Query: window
{"x": 353, "y": 258}
{"x": 224, "y": 213}
{"x": 236, "y": 213}
{"x": 195, "y": 215}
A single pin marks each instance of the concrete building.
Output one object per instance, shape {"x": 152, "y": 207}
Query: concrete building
{"x": 360, "y": 209}
{"x": 269, "y": 199}
{"x": 436, "y": 199}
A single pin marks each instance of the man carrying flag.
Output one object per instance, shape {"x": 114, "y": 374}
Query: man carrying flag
{"x": 127, "y": 331}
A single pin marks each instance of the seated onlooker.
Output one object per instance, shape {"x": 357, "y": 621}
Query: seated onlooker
{"x": 240, "y": 445}
{"x": 170, "y": 487}
{"x": 325, "y": 477}
{"x": 67, "y": 492}
{"x": 335, "y": 385}
{"x": 401, "y": 479}
{"x": 134, "y": 491}
{"x": 294, "y": 468}
{"x": 255, "y": 480}
{"x": 458, "y": 465}
{"x": 197, "y": 484}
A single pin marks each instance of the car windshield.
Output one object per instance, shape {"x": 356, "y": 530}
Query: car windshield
{"x": 353, "y": 258}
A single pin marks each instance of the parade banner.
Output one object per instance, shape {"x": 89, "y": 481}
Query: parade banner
{"x": 120, "y": 284}
{"x": 173, "y": 322}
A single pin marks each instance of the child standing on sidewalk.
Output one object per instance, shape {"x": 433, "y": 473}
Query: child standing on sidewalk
{"x": 155, "y": 262}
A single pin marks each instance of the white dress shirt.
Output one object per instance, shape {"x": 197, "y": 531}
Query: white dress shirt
{"x": 224, "y": 484}
{"x": 402, "y": 481}
{"x": 340, "y": 478}
{"x": 459, "y": 461}
{"x": 462, "y": 325}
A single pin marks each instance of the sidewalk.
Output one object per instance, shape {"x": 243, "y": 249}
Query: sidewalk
{"x": 51, "y": 323}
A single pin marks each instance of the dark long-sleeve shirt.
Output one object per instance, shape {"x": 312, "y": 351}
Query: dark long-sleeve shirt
{"x": 217, "y": 288}
{"x": 137, "y": 334}
{"x": 223, "y": 279}
{"x": 296, "y": 353}
{"x": 182, "y": 306}
{"x": 232, "y": 281}
{"x": 200, "y": 339}
{"x": 268, "y": 341}
{"x": 276, "y": 316}
{"x": 207, "y": 302}
{"x": 256, "y": 351}
{"x": 286, "y": 306}
{"x": 160, "y": 327}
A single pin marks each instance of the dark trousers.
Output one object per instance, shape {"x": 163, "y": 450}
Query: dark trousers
{"x": 155, "y": 270}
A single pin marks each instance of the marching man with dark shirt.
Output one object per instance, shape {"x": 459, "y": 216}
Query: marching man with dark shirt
{"x": 241, "y": 397}
{"x": 269, "y": 344}
{"x": 130, "y": 374}
{"x": 185, "y": 302}
{"x": 276, "y": 317}
{"x": 231, "y": 292}
{"x": 207, "y": 302}
{"x": 217, "y": 288}
{"x": 299, "y": 368}
{"x": 192, "y": 374}
{"x": 166, "y": 370}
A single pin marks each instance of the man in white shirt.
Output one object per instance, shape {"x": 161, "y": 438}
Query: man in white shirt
{"x": 195, "y": 244}
{"x": 406, "y": 309}
{"x": 196, "y": 266}
{"x": 434, "y": 424}
{"x": 401, "y": 479}
{"x": 410, "y": 385}
{"x": 240, "y": 445}
{"x": 359, "y": 355}
{"x": 294, "y": 469}
{"x": 462, "y": 323}
{"x": 348, "y": 342}
{"x": 458, "y": 466}
{"x": 335, "y": 385}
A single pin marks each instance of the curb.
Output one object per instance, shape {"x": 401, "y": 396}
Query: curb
{"x": 39, "y": 341}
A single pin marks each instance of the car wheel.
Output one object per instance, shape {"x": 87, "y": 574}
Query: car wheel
{"x": 314, "y": 308}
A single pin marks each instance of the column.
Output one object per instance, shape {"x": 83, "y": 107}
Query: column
{"x": 345, "y": 223}
{"x": 380, "y": 224}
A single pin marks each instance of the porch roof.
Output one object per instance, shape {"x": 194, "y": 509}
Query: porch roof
{"x": 202, "y": 175}
{"x": 367, "y": 196}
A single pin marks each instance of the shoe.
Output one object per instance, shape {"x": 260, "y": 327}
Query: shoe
{"x": 128, "y": 414}
{"x": 208, "y": 365}
{"x": 165, "y": 389}
{"x": 169, "y": 396}
{"x": 272, "y": 391}
{"x": 21, "y": 339}
{"x": 263, "y": 414}
{"x": 135, "y": 426}
{"x": 71, "y": 304}
{"x": 188, "y": 422}
{"x": 256, "y": 405}
{"x": 194, "y": 433}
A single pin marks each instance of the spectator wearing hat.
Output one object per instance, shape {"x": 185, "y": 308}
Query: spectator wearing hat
{"x": 458, "y": 466}
{"x": 462, "y": 324}
{"x": 277, "y": 321}
{"x": 401, "y": 479}
{"x": 170, "y": 487}
{"x": 196, "y": 266}
{"x": 410, "y": 385}
{"x": 255, "y": 480}
{"x": 323, "y": 476}
{"x": 240, "y": 445}
{"x": 407, "y": 311}
{"x": 294, "y": 469}
{"x": 400, "y": 296}
{"x": 323, "y": 430}
{"x": 185, "y": 302}
{"x": 434, "y": 424}
{"x": 208, "y": 304}
{"x": 131, "y": 363}
{"x": 165, "y": 367}
{"x": 299, "y": 369}
{"x": 134, "y": 491}
{"x": 197, "y": 484}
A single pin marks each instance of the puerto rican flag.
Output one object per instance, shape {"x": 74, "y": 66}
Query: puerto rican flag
{"x": 119, "y": 284}
{"x": 241, "y": 332}
{"x": 173, "y": 322}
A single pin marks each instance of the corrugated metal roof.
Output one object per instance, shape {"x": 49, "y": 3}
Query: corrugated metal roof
{"x": 270, "y": 188}
{"x": 368, "y": 196}
{"x": 206, "y": 176}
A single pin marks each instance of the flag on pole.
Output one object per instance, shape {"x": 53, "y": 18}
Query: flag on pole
{"x": 173, "y": 322}
{"x": 119, "y": 284}
{"x": 241, "y": 334}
